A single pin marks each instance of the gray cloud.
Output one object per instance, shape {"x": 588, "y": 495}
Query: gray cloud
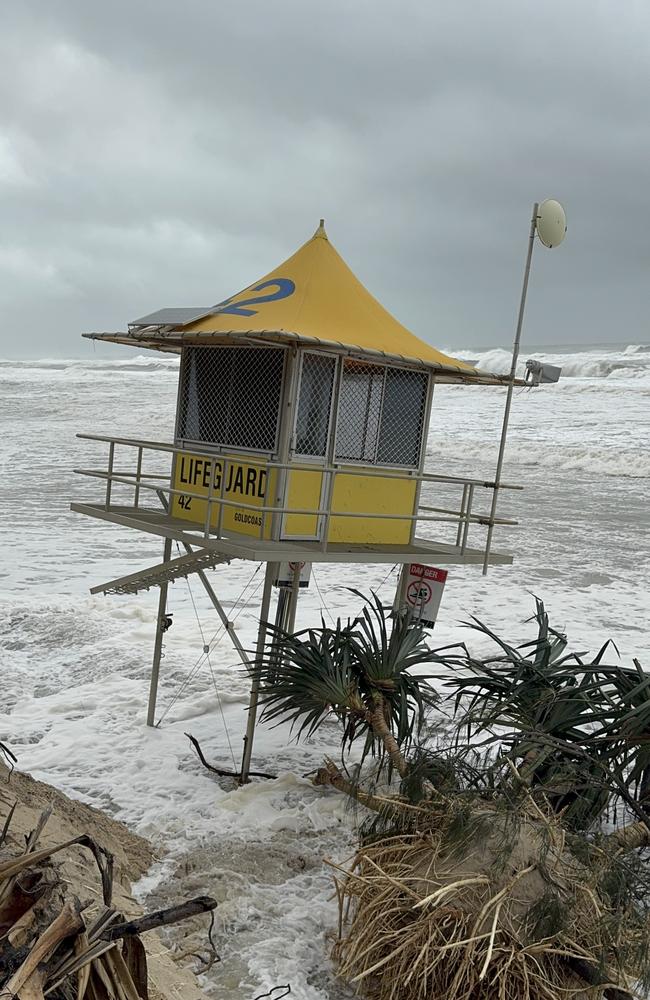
{"x": 157, "y": 153}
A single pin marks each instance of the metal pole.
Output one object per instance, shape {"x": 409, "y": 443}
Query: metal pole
{"x": 293, "y": 599}
{"x": 138, "y": 477}
{"x": 468, "y": 517}
{"x": 511, "y": 386}
{"x": 109, "y": 479}
{"x": 323, "y": 523}
{"x": 255, "y": 687}
{"x": 224, "y": 469}
{"x": 400, "y": 592}
{"x": 285, "y": 612}
{"x": 206, "y": 531}
{"x": 463, "y": 505}
{"x": 157, "y": 649}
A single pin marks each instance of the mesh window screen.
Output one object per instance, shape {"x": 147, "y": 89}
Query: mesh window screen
{"x": 231, "y": 396}
{"x": 314, "y": 404}
{"x": 359, "y": 411}
{"x": 402, "y": 416}
{"x": 381, "y": 414}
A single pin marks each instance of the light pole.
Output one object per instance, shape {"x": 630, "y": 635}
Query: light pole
{"x": 549, "y": 222}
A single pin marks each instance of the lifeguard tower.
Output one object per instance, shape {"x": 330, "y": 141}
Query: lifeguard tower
{"x": 300, "y": 437}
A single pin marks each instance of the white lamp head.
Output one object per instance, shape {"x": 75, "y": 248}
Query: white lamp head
{"x": 551, "y": 223}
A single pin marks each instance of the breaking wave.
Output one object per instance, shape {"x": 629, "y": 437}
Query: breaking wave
{"x": 627, "y": 362}
{"x": 637, "y": 349}
{"x": 593, "y": 461}
{"x": 630, "y": 361}
{"x": 140, "y": 363}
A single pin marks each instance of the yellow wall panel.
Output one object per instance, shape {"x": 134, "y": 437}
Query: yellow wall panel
{"x": 303, "y": 492}
{"x": 248, "y": 486}
{"x": 355, "y": 492}
{"x": 241, "y": 480}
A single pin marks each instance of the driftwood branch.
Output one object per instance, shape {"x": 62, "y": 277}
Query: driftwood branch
{"x": 46, "y": 945}
{"x": 217, "y": 770}
{"x": 160, "y": 918}
{"x": 7, "y": 824}
{"x": 9, "y": 756}
{"x": 34, "y": 836}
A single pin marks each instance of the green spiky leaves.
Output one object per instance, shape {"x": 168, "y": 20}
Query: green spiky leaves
{"x": 577, "y": 728}
{"x": 359, "y": 672}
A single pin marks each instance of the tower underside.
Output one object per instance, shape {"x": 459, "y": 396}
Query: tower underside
{"x": 159, "y": 522}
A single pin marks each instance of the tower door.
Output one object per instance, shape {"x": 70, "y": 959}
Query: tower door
{"x": 305, "y": 491}
{"x": 307, "y": 484}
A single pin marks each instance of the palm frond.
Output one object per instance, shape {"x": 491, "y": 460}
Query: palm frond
{"x": 566, "y": 719}
{"x": 305, "y": 677}
{"x": 349, "y": 670}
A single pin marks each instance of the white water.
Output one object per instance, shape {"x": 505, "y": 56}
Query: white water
{"x": 75, "y": 668}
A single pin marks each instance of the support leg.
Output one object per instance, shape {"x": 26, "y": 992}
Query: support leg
{"x": 294, "y": 593}
{"x": 157, "y": 649}
{"x": 255, "y": 688}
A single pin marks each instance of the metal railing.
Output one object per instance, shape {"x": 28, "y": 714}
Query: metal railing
{"x": 143, "y": 482}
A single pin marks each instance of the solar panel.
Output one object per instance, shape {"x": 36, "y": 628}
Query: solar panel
{"x": 179, "y": 316}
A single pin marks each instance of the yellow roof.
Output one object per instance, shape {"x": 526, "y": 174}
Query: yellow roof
{"x": 313, "y": 298}
{"x": 315, "y": 295}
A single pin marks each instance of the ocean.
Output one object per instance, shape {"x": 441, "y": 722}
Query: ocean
{"x": 75, "y": 668}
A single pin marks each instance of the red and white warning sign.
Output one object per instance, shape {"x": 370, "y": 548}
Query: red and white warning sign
{"x": 424, "y": 587}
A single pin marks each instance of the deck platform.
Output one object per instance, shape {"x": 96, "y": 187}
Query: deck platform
{"x": 159, "y": 522}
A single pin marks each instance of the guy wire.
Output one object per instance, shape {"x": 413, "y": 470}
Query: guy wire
{"x": 193, "y": 671}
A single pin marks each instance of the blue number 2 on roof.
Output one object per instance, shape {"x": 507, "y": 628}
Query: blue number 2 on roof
{"x": 284, "y": 286}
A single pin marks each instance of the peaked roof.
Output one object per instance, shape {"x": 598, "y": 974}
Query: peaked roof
{"x": 312, "y": 297}
{"x": 315, "y": 295}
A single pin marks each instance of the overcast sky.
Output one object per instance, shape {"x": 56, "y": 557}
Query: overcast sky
{"x": 170, "y": 152}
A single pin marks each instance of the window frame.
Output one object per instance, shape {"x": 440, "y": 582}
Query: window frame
{"x": 220, "y": 448}
{"x": 424, "y": 420}
{"x": 331, "y": 425}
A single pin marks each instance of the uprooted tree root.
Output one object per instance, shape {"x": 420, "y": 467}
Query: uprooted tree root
{"x": 488, "y": 904}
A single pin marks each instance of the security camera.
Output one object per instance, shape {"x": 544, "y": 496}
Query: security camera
{"x": 538, "y": 373}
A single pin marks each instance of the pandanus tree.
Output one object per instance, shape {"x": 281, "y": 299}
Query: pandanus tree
{"x": 487, "y": 873}
{"x": 577, "y": 728}
{"x": 360, "y": 673}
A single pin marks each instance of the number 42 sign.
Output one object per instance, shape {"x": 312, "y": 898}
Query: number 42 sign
{"x": 423, "y": 590}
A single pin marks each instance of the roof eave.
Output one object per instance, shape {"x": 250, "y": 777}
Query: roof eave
{"x": 172, "y": 340}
